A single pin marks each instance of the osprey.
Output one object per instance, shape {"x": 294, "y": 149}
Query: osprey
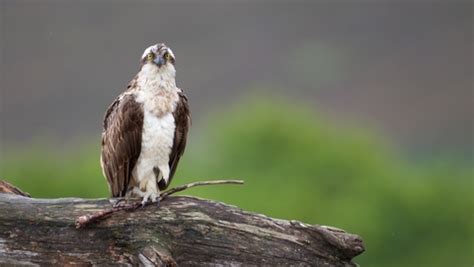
{"x": 145, "y": 129}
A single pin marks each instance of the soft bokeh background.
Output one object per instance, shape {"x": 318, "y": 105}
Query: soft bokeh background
{"x": 352, "y": 114}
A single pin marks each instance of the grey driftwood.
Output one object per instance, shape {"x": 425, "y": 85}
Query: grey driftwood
{"x": 183, "y": 231}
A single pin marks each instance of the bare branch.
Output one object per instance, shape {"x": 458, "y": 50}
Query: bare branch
{"x": 194, "y": 184}
{"x": 84, "y": 220}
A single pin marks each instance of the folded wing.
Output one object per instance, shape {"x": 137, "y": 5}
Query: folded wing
{"x": 121, "y": 142}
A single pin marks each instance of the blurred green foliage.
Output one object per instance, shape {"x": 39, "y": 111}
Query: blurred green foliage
{"x": 297, "y": 166}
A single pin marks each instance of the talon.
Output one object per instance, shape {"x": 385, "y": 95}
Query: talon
{"x": 145, "y": 201}
{"x": 118, "y": 203}
{"x": 150, "y": 196}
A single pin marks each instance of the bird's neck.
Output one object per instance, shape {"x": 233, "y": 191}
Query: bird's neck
{"x": 157, "y": 89}
{"x": 154, "y": 79}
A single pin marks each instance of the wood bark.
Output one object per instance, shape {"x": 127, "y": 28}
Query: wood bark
{"x": 183, "y": 231}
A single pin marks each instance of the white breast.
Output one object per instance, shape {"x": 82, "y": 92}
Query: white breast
{"x": 157, "y": 141}
{"x": 159, "y": 95}
{"x": 158, "y": 134}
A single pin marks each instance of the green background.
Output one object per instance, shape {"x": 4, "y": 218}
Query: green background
{"x": 296, "y": 165}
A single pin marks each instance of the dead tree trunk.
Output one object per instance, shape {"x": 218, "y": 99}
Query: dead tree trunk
{"x": 182, "y": 231}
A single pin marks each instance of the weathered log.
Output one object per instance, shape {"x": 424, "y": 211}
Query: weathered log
{"x": 182, "y": 231}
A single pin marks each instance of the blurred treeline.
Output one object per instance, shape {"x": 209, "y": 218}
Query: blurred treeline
{"x": 296, "y": 165}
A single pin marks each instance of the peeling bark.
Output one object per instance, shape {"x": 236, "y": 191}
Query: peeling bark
{"x": 184, "y": 231}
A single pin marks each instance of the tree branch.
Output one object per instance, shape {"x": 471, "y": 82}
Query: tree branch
{"x": 185, "y": 231}
{"x": 84, "y": 220}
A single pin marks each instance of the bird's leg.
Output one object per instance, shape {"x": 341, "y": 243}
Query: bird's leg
{"x": 158, "y": 200}
{"x": 152, "y": 193}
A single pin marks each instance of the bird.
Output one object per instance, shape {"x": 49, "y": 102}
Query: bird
{"x": 145, "y": 129}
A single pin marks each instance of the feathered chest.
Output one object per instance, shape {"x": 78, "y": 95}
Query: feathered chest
{"x": 158, "y": 102}
{"x": 157, "y": 138}
{"x": 157, "y": 91}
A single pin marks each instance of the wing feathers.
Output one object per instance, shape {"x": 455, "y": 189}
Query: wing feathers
{"x": 121, "y": 142}
{"x": 182, "y": 119}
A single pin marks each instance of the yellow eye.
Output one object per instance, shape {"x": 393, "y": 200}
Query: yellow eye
{"x": 167, "y": 56}
{"x": 150, "y": 56}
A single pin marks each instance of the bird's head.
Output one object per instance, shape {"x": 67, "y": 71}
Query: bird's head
{"x": 160, "y": 56}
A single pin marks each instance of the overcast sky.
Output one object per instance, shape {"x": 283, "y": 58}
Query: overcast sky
{"x": 402, "y": 68}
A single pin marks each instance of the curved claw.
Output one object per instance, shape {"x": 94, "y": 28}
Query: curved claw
{"x": 151, "y": 197}
{"x": 119, "y": 203}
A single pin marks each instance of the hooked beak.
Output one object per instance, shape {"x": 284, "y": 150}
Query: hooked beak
{"x": 159, "y": 60}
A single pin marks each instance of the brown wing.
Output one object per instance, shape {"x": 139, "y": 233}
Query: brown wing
{"x": 182, "y": 119}
{"x": 121, "y": 142}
